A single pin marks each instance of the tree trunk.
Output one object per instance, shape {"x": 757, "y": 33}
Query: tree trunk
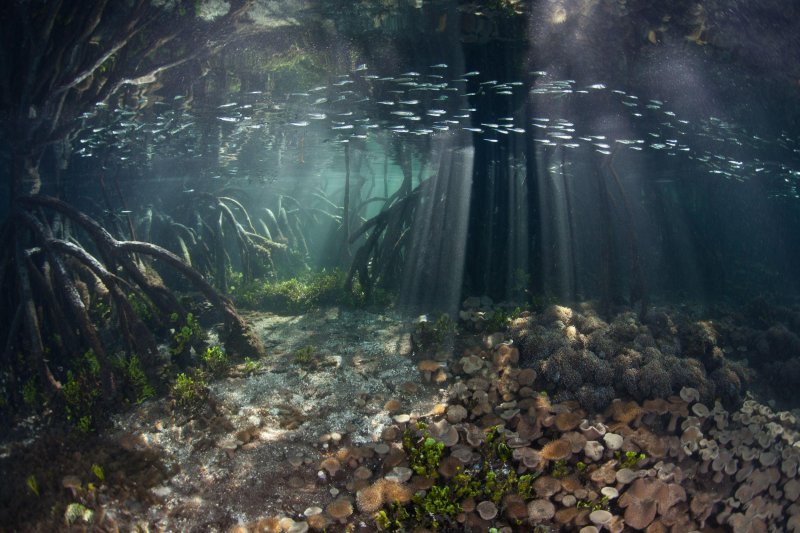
{"x": 25, "y": 179}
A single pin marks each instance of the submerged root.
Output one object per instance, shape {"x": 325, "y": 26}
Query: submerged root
{"x": 52, "y": 297}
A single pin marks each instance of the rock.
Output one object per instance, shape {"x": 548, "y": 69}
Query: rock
{"x": 400, "y": 474}
{"x": 471, "y": 364}
{"x": 593, "y": 450}
{"x": 613, "y": 441}
{"x": 540, "y": 511}
{"x": 490, "y": 341}
{"x": 456, "y": 413}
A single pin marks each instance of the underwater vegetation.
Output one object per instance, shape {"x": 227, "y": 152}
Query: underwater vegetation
{"x": 189, "y": 391}
{"x": 301, "y": 293}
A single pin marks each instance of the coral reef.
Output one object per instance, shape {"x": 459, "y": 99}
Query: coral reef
{"x": 501, "y": 455}
{"x": 584, "y": 358}
{"x": 562, "y": 422}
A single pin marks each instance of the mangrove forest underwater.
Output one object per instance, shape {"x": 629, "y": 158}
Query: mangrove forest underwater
{"x": 399, "y": 265}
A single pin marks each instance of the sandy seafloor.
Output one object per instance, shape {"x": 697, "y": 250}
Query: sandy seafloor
{"x": 316, "y": 443}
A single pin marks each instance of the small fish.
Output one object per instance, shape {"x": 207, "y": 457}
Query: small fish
{"x": 489, "y": 140}
{"x": 412, "y": 73}
{"x": 476, "y": 130}
{"x": 409, "y": 102}
{"x": 402, "y": 113}
{"x": 344, "y": 127}
{"x": 300, "y": 124}
{"x": 319, "y": 101}
{"x": 362, "y": 66}
{"x": 317, "y": 116}
{"x": 596, "y": 86}
{"x": 439, "y": 65}
{"x": 471, "y": 74}
{"x": 225, "y": 119}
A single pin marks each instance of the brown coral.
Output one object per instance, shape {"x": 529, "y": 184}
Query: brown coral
{"x": 568, "y": 420}
{"x": 370, "y": 499}
{"x": 625, "y": 412}
{"x": 394, "y": 492}
{"x": 340, "y": 509}
{"x": 556, "y": 450}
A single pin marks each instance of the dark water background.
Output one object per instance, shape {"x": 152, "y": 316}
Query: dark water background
{"x": 714, "y": 222}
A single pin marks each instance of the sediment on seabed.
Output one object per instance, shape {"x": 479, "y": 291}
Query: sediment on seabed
{"x": 359, "y": 421}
